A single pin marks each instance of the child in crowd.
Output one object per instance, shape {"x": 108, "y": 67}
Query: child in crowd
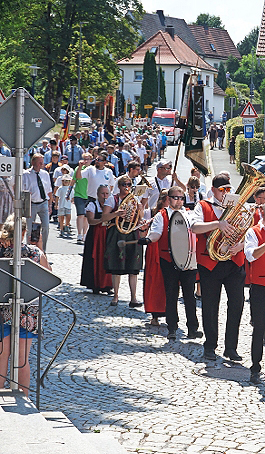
{"x": 64, "y": 206}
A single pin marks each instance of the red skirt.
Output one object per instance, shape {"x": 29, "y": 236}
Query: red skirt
{"x": 154, "y": 289}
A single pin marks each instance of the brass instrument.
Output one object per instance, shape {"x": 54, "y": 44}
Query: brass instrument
{"x": 130, "y": 204}
{"x": 239, "y": 216}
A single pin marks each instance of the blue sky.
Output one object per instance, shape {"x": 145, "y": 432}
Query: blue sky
{"x": 239, "y": 17}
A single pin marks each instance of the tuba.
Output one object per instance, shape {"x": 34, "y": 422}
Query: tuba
{"x": 239, "y": 216}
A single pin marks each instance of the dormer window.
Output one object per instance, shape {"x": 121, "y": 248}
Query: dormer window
{"x": 212, "y": 46}
{"x": 153, "y": 50}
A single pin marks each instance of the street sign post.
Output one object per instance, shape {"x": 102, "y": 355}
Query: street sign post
{"x": 22, "y": 122}
{"x": 91, "y": 103}
{"x": 248, "y": 121}
{"x": 249, "y": 131}
{"x": 249, "y": 111}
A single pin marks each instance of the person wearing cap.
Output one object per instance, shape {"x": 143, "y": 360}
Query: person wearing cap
{"x": 42, "y": 150}
{"x": 58, "y": 170}
{"x": 255, "y": 254}
{"x": 163, "y": 180}
{"x": 214, "y": 273}
{"x": 73, "y": 152}
{"x": 64, "y": 170}
{"x": 48, "y": 154}
{"x": 63, "y": 205}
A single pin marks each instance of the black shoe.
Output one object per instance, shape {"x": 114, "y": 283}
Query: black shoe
{"x": 171, "y": 335}
{"x": 232, "y": 354}
{"x": 194, "y": 334}
{"x": 136, "y": 304}
{"x": 209, "y": 353}
{"x": 255, "y": 378}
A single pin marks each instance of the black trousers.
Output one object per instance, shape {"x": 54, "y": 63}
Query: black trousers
{"x": 172, "y": 277}
{"x": 232, "y": 277}
{"x": 257, "y": 305}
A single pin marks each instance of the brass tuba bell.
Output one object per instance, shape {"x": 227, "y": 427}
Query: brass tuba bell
{"x": 239, "y": 216}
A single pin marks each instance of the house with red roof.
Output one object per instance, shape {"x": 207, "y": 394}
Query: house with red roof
{"x": 260, "y": 51}
{"x": 176, "y": 58}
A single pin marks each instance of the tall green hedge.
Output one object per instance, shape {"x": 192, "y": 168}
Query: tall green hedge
{"x": 259, "y": 125}
{"x": 233, "y": 128}
{"x": 256, "y": 148}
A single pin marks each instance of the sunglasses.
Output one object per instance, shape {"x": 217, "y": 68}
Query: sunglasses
{"x": 99, "y": 160}
{"x": 177, "y": 197}
{"x": 126, "y": 184}
{"x": 221, "y": 189}
{"x": 167, "y": 168}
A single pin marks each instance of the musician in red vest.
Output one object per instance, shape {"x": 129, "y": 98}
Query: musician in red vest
{"x": 214, "y": 273}
{"x": 172, "y": 276}
{"x": 255, "y": 254}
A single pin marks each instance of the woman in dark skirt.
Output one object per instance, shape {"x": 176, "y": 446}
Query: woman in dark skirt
{"x": 125, "y": 260}
{"x": 93, "y": 275}
{"x": 232, "y": 149}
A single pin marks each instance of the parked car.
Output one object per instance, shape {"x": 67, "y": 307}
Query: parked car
{"x": 62, "y": 115}
{"x": 259, "y": 163}
{"x": 84, "y": 119}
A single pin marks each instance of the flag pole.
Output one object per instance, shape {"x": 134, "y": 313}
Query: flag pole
{"x": 177, "y": 157}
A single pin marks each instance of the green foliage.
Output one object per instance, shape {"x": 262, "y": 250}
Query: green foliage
{"x": 256, "y": 148}
{"x": 149, "y": 84}
{"x": 230, "y": 93}
{"x": 246, "y": 45}
{"x": 262, "y": 95}
{"x": 221, "y": 77}
{"x": 243, "y": 74}
{"x": 163, "y": 100}
{"x": 211, "y": 21}
{"x": 232, "y": 65}
{"x": 233, "y": 128}
{"x": 259, "y": 125}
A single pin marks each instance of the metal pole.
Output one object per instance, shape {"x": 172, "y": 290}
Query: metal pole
{"x": 79, "y": 61}
{"x": 39, "y": 352}
{"x": 158, "y": 85}
{"x": 248, "y": 151}
{"x": 20, "y": 106}
{"x": 251, "y": 80}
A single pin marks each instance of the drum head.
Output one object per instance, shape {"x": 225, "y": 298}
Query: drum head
{"x": 179, "y": 240}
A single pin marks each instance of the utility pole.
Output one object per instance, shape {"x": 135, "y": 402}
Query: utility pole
{"x": 251, "y": 94}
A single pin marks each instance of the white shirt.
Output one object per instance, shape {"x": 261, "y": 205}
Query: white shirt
{"x": 153, "y": 194}
{"x": 95, "y": 178}
{"x": 62, "y": 202}
{"x": 141, "y": 151}
{"x": 110, "y": 202}
{"x": 251, "y": 242}
{"x": 30, "y": 184}
{"x": 198, "y": 213}
{"x": 91, "y": 207}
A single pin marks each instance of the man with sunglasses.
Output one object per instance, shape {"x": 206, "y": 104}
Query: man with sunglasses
{"x": 214, "y": 273}
{"x": 163, "y": 180}
{"x": 171, "y": 275}
{"x": 96, "y": 175}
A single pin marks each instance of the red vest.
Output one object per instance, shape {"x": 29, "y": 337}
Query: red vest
{"x": 163, "y": 240}
{"x": 257, "y": 268}
{"x": 202, "y": 255}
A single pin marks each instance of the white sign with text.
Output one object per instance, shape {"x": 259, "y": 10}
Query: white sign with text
{"x": 7, "y": 166}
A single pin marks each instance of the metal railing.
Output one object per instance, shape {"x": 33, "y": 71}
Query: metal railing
{"x": 40, "y": 378}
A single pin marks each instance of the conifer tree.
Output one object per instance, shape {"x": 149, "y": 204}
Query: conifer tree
{"x": 163, "y": 100}
{"x": 221, "y": 78}
{"x": 149, "y": 84}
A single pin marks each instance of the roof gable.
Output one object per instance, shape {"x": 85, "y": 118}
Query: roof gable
{"x": 261, "y": 41}
{"x": 151, "y": 23}
{"x": 214, "y": 42}
{"x": 171, "y": 52}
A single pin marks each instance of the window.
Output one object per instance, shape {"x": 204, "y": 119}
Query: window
{"x": 136, "y": 99}
{"x": 153, "y": 50}
{"x": 207, "y": 105}
{"x": 215, "y": 65}
{"x": 212, "y": 46}
{"x": 138, "y": 76}
{"x": 207, "y": 81}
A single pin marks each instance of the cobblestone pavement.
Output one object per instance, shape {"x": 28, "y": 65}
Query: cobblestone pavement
{"x": 118, "y": 373}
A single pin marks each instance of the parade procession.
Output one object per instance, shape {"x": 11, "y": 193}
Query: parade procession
{"x": 132, "y": 241}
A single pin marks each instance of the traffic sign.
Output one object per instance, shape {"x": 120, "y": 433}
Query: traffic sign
{"x": 249, "y": 111}
{"x": 249, "y": 131}
{"x": 148, "y": 106}
{"x": 7, "y": 166}
{"x": 36, "y": 121}
{"x": 91, "y": 99}
{"x": 248, "y": 121}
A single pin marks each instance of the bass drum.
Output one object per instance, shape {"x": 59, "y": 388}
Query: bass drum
{"x": 182, "y": 242}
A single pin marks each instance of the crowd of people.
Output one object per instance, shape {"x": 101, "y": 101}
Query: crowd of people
{"x": 122, "y": 214}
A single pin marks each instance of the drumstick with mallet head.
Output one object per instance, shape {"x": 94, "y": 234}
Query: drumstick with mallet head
{"x": 122, "y": 243}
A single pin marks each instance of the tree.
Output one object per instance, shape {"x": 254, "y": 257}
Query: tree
{"x": 246, "y": 45}
{"x": 163, "y": 100}
{"x": 221, "y": 77}
{"x": 243, "y": 74}
{"x": 262, "y": 95}
{"x": 149, "y": 84}
{"x": 208, "y": 20}
{"x": 232, "y": 65}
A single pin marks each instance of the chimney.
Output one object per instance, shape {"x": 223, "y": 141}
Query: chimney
{"x": 161, "y": 16}
{"x": 170, "y": 30}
